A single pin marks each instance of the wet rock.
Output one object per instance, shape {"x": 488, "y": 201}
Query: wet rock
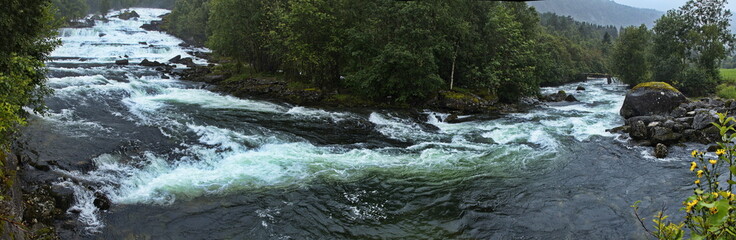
{"x": 571, "y": 98}
{"x": 660, "y": 151}
{"x": 580, "y": 88}
{"x": 213, "y": 78}
{"x": 556, "y": 97}
{"x": 102, "y": 34}
{"x": 529, "y": 101}
{"x": 653, "y": 98}
{"x": 143, "y": 43}
{"x": 147, "y": 63}
{"x": 451, "y": 118}
{"x": 40, "y": 206}
{"x": 86, "y": 23}
{"x": 63, "y": 196}
{"x": 704, "y": 118}
{"x": 101, "y": 201}
{"x": 621, "y": 129}
{"x": 664, "y": 135}
{"x": 122, "y": 62}
{"x": 127, "y": 15}
{"x": 153, "y": 26}
{"x": 176, "y": 59}
{"x": 639, "y": 130}
{"x": 189, "y": 62}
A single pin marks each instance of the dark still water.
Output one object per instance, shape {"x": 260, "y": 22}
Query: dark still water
{"x": 181, "y": 162}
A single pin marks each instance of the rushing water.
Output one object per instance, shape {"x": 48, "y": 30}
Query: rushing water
{"x": 181, "y": 162}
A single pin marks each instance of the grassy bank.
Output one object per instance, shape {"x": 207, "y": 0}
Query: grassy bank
{"x": 728, "y": 88}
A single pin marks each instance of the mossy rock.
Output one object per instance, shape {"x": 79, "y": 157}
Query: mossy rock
{"x": 656, "y": 85}
{"x": 651, "y": 98}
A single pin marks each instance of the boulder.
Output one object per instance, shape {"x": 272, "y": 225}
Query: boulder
{"x": 63, "y": 196}
{"x": 660, "y": 151}
{"x": 127, "y": 15}
{"x": 101, "y": 201}
{"x": 147, "y": 63}
{"x": 122, "y": 62}
{"x": 704, "y": 118}
{"x": 638, "y": 130}
{"x": 571, "y": 98}
{"x": 652, "y": 98}
{"x": 153, "y": 26}
{"x": 580, "y": 88}
{"x": 176, "y": 59}
{"x": 664, "y": 135}
{"x": 556, "y": 97}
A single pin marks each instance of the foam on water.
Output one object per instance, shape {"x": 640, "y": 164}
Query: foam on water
{"x": 226, "y": 159}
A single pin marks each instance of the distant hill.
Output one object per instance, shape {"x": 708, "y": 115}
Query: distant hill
{"x": 601, "y": 12}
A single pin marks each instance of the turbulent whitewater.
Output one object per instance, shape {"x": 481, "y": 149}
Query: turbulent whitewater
{"x": 179, "y": 161}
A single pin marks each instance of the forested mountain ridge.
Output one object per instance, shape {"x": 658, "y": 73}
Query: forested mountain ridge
{"x": 602, "y": 12}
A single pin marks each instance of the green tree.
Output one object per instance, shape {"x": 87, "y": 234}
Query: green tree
{"x": 70, "y": 9}
{"x": 630, "y": 57}
{"x": 240, "y": 30}
{"x": 690, "y": 43}
{"x": 189, "y": 20}
{"x": 27, "y": 38}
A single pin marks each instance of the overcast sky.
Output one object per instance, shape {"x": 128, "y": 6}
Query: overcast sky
{"x": 664, "y": 5}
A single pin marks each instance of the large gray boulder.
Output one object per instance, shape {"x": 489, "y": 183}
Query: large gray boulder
{"x": 652, "y": 98}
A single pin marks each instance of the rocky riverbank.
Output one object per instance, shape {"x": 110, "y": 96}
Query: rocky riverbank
{"x": 28, "y": 210}
{"x": 658, "y": 115}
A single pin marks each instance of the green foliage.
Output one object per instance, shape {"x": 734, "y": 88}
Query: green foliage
{"x": 689, "y": 45}
{"x": 189, "y": 20}
{"x": 27, "y": 38}
{"x": 726, "y": 91}
{"x": 728, "y": 75}
{"x": 630, "y": 56}
{"x": 70, "y": 9}
{"x": 398, "y": 51}
{"x": 239, "y": 30}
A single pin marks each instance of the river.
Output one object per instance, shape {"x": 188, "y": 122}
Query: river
{"x": 181, "y": 162}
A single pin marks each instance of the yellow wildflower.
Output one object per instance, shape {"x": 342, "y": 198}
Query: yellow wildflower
{"x": 700, "y": 173}
{"x": 697, "y": 181}
{"x": 689, "y": 205}
{"x": 715, "y": 195}
{"x": 720, "y": 152}
{"x": 693, "y": 165}
{"x": 726, "y": 194}
{"x": 713, "y": 161}
{"x": 713, "y": 210}
{"x": 695, "y": 152}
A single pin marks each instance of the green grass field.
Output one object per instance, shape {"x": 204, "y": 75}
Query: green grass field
{"x": 728, "y": 88}
{"x": 729, "y": 75}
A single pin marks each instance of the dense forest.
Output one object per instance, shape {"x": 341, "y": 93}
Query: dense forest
{"x": 685, "y": 48}
{"x": 398, "y": 50}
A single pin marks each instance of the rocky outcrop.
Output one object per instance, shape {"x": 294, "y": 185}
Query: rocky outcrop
{"x": 652, "y": 98}
{"x": 122, "y": 62}
{"x": 153, "y": 26}
{"x": 127, "y": 15}
{"x": 652, "y": 120}
{"x": 559, "y": 97}
{"x": 147, "y": 63}
{"x": 461, "y": 102}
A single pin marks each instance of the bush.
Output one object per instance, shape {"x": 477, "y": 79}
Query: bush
{"x": 710, "y": 210}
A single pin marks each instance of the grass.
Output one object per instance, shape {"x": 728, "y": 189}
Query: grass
{"x": 728, "y": 88}
{"x": 728, "y": 75}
